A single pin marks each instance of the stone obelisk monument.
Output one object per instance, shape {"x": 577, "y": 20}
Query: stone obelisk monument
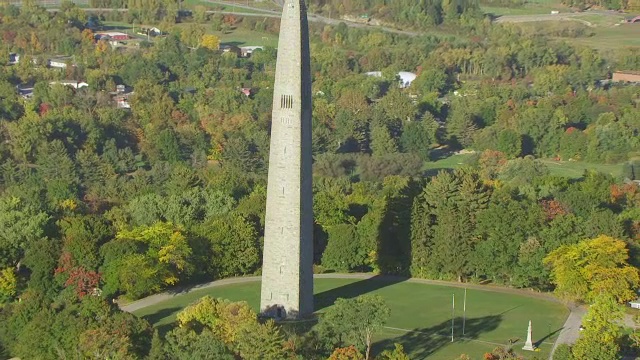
{"x": 528, "y": 345}
{"x": 287, "y": 267}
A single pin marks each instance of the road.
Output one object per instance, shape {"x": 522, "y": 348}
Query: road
{"x": 571, "y": 328}
{"x": 275, "y": 14}
{"x": 311, "y": 17}
{"x": 259, "y": 12}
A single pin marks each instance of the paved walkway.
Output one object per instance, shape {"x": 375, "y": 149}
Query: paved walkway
{"x": 154, "y": 299}
{"x": 568, "y": 335}
{"x": 571, "y": 328}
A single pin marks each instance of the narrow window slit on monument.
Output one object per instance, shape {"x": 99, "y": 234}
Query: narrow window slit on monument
{"x": 286, "y": 101}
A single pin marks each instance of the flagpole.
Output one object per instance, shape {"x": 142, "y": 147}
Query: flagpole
{"x": 464, "y": 310}
{"x": 453, "y": 309}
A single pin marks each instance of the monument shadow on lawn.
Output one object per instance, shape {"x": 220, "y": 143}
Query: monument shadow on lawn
{"x": 539, "y": 342}
{"x": 422, "y": 342}
{"x": 355, "y": 289}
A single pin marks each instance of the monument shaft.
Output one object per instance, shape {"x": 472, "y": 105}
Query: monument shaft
{"x": 287, "y": 268}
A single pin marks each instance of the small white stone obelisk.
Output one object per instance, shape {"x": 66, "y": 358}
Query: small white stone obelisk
{"x": 529, "y": 344}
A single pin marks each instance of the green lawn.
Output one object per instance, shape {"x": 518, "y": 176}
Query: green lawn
{"x": 258, "y": 5}
{"x": 451, "y": 162}
{"x": 611, "y": 37}
{"x": 575, "y": 169}
{"x": 241, "y": 37}
{"x": 598, "y": 20}
{"x": 229, "y": 5}
{"x": 244, "y": 37}
{"x": 420, "y": 315}
{"x": 570, "y": 169}
{"x": 527, "y": 9}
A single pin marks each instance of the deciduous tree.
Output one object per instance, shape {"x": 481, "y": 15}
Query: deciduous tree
{"x": 599, "y": 339}
{"x": 355, "y": 321}
{"x": 593, "y": 267}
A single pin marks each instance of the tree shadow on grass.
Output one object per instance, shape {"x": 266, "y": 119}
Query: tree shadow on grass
{"x": 233, "y": 43}
{"x": 435, "y": 171}
{"x": 160, "y": 314}
{"x": 352, "y": 290}
{"x": 423, "y": 342}
{"x": 114, "y": 27}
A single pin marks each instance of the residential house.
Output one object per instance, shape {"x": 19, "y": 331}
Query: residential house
{"x": 231, "y": 49}
{"x": 405, "y": 78}
{"x": 111, "y": 35}
{"x": 60, "y": 62}
{"x": 633, "y": 20}
{"x": 14, "y": 58}
{"x": 626, "y": 76}
{"x": 73, "y": 83}
{"x": 246, "y": 51}
{"x": 25, "y": 91}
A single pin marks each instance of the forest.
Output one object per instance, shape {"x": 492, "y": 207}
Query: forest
{"x": 100, "y": 204}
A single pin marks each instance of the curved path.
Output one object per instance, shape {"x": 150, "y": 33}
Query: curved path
{"x": 568, "y": 334}
{"x": 154, "y": 299}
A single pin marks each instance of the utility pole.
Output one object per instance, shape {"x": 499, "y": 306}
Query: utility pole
{"x": 453, "y": 310}
{"x": 464, "y": 310}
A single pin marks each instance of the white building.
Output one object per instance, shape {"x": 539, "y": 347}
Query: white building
{"x": 73, "y": 83}
{"x": 14, "y": 58}
{"x": 246, "y": 51}
{"x": 405, "y": 78}
{"x": 59, "y": 62}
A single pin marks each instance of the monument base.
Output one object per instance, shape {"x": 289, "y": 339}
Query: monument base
{"x": 528, "y": 347}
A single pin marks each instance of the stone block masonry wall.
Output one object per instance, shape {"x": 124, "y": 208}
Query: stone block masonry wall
{"x": 287, "y": 274}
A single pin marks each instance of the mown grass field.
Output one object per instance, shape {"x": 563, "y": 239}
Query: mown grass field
{"x": 611, "y": 37}
{"x": 420, "y": 315}
{"x": 570, "y": 169}
{"x": 575, "y": 169}
{"x": 229, "y": 5}
{"x": 242, "y": 37}
{"x": 527, "y": 9}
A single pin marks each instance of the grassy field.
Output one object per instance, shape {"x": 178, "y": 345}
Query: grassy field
{"x": 609, "y": 33}
{"x": 420, "y": 315}
{"x": 229, "y": 5}
{"x": 531, "y": 7}
{"x": 241, "y": 37}
{"x": 611, "y": 37}
{"x": 248, "y": 37}
{"x": 575, "y": 169}
{"x": 570, "y": 169}
{"x": 527, "y": 9}
{"x": 451, "y": 162}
